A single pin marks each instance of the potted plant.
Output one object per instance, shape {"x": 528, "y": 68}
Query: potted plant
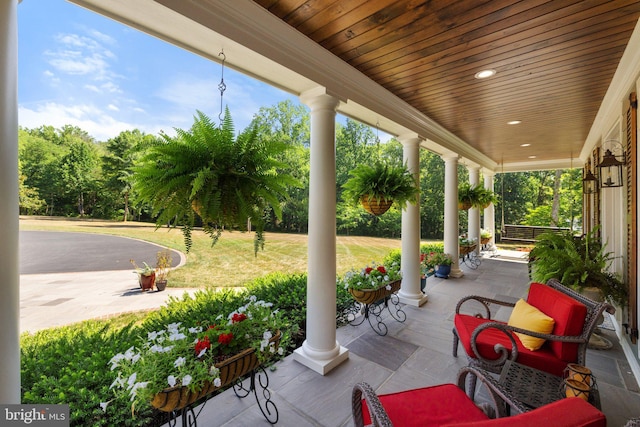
{"x": 372, "y": 283}
{"x": 379, "y": 185}
{"x": 146, "y": 275}
{"x": 163, "y": 266}
{"x": 485, "y": 236}
{"x": 191, "y": 359}
{"x": 466, "y": 245}
{"x": 207, "y": 172}
{"x": 440, "y": 263}
{"x": 578, "y": 262}
{"x": 475, "y": 196}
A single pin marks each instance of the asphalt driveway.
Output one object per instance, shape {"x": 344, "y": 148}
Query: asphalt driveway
{"x": 43, "y": 252}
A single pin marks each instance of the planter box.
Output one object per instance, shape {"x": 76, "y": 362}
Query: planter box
{"x": 369, "y": 296}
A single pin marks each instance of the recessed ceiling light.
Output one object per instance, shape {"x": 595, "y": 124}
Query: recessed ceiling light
{"x": 525, "y": 145}
{"x": 514, "y": 122}
{"x": 485, "y": 73}
{"x": 532, "y": 157}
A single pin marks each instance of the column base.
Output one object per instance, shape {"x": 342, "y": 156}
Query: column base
{"x": 456, "y": 272}
{"x": 320, "y": 366}
{"x": 413, "y": 300}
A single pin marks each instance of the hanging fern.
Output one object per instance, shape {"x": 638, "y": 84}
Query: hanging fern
{"x": 205, "y": 172}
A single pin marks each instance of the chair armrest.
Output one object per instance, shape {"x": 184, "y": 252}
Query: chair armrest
{"x": 508, "y": 330}
{"x": 378, "y": 415}
{"x": 486, "y": 302}
{"x": 501, "y": 351}
{"x": 499, "y": 397}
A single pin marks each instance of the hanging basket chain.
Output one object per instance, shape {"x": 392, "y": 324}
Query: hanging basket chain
{"x": 222, "y": 87}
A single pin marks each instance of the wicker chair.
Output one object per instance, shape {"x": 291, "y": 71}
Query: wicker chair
{"x": 489, "y": 343}
{"x": 448, "y": 404}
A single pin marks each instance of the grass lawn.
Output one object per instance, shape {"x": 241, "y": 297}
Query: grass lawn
{"x": 231, "y": 261}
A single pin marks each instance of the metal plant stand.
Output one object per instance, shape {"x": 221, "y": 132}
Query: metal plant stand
{"x": 360, "y": 312}
{"x": 258, "y": 380}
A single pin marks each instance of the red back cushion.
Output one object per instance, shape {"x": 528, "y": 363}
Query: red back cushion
{"x": 429, "y": 406}
{"x": 571, "y": 412}
{"x": 568, "y": 313}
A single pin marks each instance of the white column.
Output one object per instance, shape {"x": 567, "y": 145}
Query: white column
{"x": 410, "y": 292}
{"x": 473, "y": 227}
{"x": 9, "y": 266}
{"x": 490, "y": 211}
{"x": 320, "y": 351}
{"x": 451, "y": 221}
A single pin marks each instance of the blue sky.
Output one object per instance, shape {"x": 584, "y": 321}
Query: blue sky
{"x": 79, "y": 68}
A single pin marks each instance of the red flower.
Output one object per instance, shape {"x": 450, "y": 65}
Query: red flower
{"x": 368, "y": 270}
{"x": 381, "y": 269}
{"x": 225, "y": 338}
{"x": 238, "y": 317}
{"x": 202, "y": 344}
{"x": 422, "y": 257}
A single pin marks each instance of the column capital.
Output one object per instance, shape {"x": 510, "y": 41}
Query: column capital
{"x": 319, "y": 97}
{"x": 450, "y": 157}
{"x": 409, "y": 138}
{"x": 473, "y": 167}
{"x": 488, "y": 172}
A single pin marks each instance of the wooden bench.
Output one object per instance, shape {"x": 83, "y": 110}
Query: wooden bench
{"x": 527, "y": 233}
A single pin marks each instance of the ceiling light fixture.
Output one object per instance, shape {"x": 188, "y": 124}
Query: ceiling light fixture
{"x": 532, "y": 157}
{"x": 514, "y": 122}
{"x": 485, "y": 74}
{"x": 525, "y": 145}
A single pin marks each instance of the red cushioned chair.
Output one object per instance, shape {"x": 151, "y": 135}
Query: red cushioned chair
{"x": 489, "y": 343}
{"x": 448, "y": 405}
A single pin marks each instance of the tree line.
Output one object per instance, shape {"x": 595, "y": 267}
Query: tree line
{"x": 66, "y": 172}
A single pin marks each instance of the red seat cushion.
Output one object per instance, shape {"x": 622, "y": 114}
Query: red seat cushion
{"x": 571, "y": 412}
{"x": 429, "y": 406}
{"x": 568, "y": 314}
{"x": 543, "y": 359}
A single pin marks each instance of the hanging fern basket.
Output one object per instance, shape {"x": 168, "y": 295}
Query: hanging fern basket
{"x": 464, "y": 206}
{"x": 374, "y": 206}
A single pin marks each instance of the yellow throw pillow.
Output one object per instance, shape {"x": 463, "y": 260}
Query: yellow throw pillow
{"x": 528, "y": 317}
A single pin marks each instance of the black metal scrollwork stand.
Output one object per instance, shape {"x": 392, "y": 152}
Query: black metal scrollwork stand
{"x": 258, "y": 379}
{"x": 358, "y": 312}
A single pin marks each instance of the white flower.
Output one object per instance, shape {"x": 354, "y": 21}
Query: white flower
{"x": 388, "y": 287}
{"x": 213, "y": 371}
{"x": 267, "y": 335}
{"x": 156, "y": 349}
{"x": 132, "y": 379}
{"x": 117, "y": 382}
{"x": 386, "y": 278}
{"x": 152, "y": 335}
{"x": 171, "y": 380}
{"x": 195, "y": 330}
{"x": 280, "y": 351}
{"x": 179, "y": 361}
{"x": 186, "y": 380}
{"x": 253, "y": 298}
{"x": 202, "y": 352}
{"x": 217, "y": 382}
{"x": 177, "y": 336}
{"x": 135, "y": 388}
{"x": 135, "y": 358}
{"x": 103, "y": 405}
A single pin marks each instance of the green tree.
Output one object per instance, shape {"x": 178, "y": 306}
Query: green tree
{"x": 78, "y": 169}
{"x": 118, "y": 163}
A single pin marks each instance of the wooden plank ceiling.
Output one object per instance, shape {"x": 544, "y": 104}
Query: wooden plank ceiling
{"x": 554, "y": 62}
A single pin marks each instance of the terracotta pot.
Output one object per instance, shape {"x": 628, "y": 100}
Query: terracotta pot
{"x": 464, "y": 206}
{"x": 147, "y": 281}
{"x": 161, "y": 285}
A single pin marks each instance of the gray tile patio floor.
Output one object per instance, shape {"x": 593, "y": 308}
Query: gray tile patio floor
{"x": 415, "y": 353}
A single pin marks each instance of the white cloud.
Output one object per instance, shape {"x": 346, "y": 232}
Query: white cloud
{"x": 98, "y": 123}
{"x": 112, "y": 107}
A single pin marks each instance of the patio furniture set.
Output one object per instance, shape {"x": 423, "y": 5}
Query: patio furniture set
{"x": 530, "y": 368}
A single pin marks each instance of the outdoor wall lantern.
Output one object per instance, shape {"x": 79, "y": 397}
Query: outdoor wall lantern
{"x": 610, "y": 168}
{"x": 589, "y": 182}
